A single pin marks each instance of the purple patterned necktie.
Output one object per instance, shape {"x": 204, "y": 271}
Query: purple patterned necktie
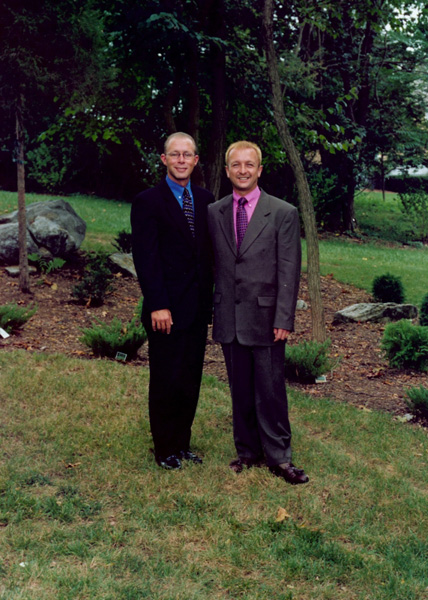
{"x": 188, "y": 210}
{"x": 241, "y": 221}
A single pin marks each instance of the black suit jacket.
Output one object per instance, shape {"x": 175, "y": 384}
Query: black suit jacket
{"x": 174, "y": 269}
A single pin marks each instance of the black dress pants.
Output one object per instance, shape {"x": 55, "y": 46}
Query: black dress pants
{"x": 259, "y": 400}
{"x": 176, "y": 363}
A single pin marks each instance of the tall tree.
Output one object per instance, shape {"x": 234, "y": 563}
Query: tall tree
{"x": 34, "y": 72}
{"x": 305, "y": 200}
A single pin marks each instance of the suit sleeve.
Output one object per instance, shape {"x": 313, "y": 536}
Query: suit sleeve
{"x": 289, "y": 256}
{"x": 146, "y": 254}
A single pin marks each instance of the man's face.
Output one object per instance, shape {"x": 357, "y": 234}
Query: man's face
{"x": 243, "y": 170}
{"x": 180, "y": 160}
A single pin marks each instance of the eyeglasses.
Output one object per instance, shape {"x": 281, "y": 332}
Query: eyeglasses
{"x": 176, "y": 155}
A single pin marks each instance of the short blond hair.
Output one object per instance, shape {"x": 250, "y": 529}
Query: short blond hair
{"x": 179, "y": 134}
{"x": 243, "y": 145}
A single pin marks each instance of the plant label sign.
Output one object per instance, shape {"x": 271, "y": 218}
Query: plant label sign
{"x": 4, "y": 334}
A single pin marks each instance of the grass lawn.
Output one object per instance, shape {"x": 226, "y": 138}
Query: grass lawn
{"x": 358, "y": 264}
{"x": 85, "y": 513}
{"x": 381, "y": 218}
{"x": 104, "y": 218}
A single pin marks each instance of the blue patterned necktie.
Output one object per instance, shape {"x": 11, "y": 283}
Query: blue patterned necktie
{"x": 241, "y": 221}
{"x": 188, "y": 210}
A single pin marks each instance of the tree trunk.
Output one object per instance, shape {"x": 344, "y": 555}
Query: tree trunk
{"x": 24, "y": 280}
{"x": 305, "y": 199}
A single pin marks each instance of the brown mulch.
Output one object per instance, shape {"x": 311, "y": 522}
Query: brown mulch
{"x": 362, "y": 377}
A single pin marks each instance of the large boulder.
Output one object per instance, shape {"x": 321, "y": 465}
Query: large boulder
{"x": 375, "y": 312}
{"x": 53, "y": 229}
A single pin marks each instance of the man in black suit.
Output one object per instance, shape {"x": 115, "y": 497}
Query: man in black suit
{"x": 256, "y": 240}
{"x": 173, "y": 260}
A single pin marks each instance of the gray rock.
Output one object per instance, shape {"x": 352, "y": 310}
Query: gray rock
{"x": 124, "y": 261}
{"x": 375, "y": 313}
{"x": 301, "y": 305}
{"x": 53, "y": 229}
{"x": 14, "y": 271}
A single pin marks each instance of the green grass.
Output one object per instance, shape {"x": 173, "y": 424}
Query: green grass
{"x": 381, "y": 218}
{"x": 104, "y": 218}
{"x": 86, "y": 514}
{"x": 358, "y": 264}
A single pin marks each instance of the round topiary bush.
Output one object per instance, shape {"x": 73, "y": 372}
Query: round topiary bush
{"x": 423, "y": 315}
{"x": 388, "y": 288}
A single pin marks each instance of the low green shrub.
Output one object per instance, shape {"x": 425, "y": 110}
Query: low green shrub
{"x": 123, "y": 241}
{"x": 108, "y": 340}
{"x": 423, "y": 314}
{"x": 308, "y": 360}
{"x": 45, "y": 265}
{"x": 13, "y": 317}
{"x": 417, "y": 401}
{"x": 388, "y": 288}
{"x": 96, "y": 282}
{"x": 406, "y": 345}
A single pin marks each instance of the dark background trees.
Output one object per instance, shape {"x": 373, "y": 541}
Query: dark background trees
{"x": 352, "y": 75}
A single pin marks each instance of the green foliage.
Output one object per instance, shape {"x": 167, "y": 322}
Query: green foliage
{"x": 123, "y": 241}
{"x": 48, "y": 165}
{"x": 308, "y": 360}
{"x": 415, "y": 206}
{"x": 418, "y": 401}
{"x": 45, "y": 265}
{"x": 388, "y": 288}
{"x": 96, "y": 282}
{"x": 13, "y": 317}
{"x": 406, "y": 345}
{"x": 423, "y": 313}
{"x": 108, "y": 340}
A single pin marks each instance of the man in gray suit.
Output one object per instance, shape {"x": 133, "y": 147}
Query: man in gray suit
{"x": 256, "y": 239}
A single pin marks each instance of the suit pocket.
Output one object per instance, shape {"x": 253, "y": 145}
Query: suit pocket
{"x": 217, "y": 297}
{"x": 266, "y": 300}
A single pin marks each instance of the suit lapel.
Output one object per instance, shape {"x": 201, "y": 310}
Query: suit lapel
{"x": 257, "y": 222}
{"x": 227, "y": 225}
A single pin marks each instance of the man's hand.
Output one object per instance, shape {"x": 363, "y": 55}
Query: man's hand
{"x": 162, "y": 320}
{"x": 280, "y": 334}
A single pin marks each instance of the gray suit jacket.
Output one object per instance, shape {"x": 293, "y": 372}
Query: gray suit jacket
{"x": 255, "y": 288}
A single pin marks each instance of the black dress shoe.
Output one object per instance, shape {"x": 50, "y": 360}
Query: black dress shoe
{"x": 188, "y": 455}
{"x": 172, "y": 463}
{"x": 290, "y": 473}
{"x": 239, "y": 464}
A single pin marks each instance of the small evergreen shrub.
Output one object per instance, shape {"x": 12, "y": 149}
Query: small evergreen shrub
{"x": 13, "y": 317}
{"x": 417, "y": 401}
{"x": 388, "y": 288}
{"x": 423, "y": 314}
{"x": 108, "y": 340}
{"x": 308, "y": 360}
{"x": 406, "y": 345}
{"x": 123, "y": 242}
{"x": 96, "y": 282}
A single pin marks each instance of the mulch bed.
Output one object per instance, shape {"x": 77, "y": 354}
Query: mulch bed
{"x": 362, "y": 377}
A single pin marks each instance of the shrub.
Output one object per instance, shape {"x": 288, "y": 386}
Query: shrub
{"x": 308, "y": 360}
{"x": 418, "y": 401}
{"x": 12, "y": 316}
{"x": 108, "y": 340}
{"x": 123, "y": 241}
{"x": 406, "y": 345}
{"x": 388, "y": 288}
{"x": 96, "y": 282}
{"x": 423, "y": 315}
{"x": 45, "y": 265}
